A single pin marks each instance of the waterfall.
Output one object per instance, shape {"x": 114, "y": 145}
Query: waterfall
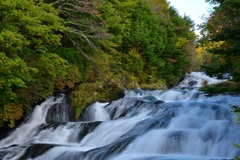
{"x": 180, "y": 123}
{"x": 27, "y": 131}
{"x": 96, "y": 112}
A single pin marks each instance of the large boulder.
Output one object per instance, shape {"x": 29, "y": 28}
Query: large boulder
{"x": 58, "y": 113}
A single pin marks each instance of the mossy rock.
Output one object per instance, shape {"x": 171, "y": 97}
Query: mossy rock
{"x": 161, "y": 85}
{"x": 220, "y": 88}
{"x": 85, "y": 94}
{"x": 109, "y": 91}
{"x": 82, "y": 96}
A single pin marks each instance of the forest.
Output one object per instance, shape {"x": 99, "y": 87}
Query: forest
{"x": 98, "y": 48}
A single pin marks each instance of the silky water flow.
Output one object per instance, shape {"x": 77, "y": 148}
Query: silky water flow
{"x": 181, "y": 124}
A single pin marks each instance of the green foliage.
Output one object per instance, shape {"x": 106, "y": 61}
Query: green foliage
{"x": 10, "y": 113}
{"x": 57, "y": 70}
{"x": 160, "y": 39}
{"x": 102, "y": 46}
{"x": 133, "y": 61}
{"x": 75, "y": 58}
{"x": 223, "y": 26}
{"x": 146, "y": 35}
{"x": 223, "y": 87}
{"x": 81, "y": 18}
{"x": 85, "y": 96}
{"x": 143, "y": 44}
{"x": 14, "y": 74}
{"x": 179, "y": 52}
{"x": 28, "y": 70}
{"x": 28, "y": 25}
{"x": 116, "y": 16}
{"x": 96, "y": 91}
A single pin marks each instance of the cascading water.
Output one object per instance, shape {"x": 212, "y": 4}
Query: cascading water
{"x": 180, "y": 123}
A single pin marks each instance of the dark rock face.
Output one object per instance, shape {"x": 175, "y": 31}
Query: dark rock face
{"x": 58, "y": 113}
{"x": 36, "y": 150}
{"x": 149, "y": 99}
{"x": 61, "y": 112}
{"x": 86, "y": 129}
{"x": 192, "y": 83}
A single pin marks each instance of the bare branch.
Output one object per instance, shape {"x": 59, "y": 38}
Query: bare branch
{"x": 84, "y": 28}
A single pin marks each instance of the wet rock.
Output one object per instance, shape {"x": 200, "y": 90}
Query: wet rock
{"x": 149, "y": 99}
{"x": 58, "y": 113}
{"x": 192, "y": 83}
{"x": 36, "y": 150}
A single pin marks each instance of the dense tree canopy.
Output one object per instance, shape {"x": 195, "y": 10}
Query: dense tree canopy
{"x": 29, "y": 71}
{"x": 49, "y": 45}
{"x": 222, "y": 32}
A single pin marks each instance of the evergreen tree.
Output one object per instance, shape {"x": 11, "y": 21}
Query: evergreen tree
{"x": 223, "y": 27}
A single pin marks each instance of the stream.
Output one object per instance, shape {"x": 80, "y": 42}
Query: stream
{"x": 181, "y": 123}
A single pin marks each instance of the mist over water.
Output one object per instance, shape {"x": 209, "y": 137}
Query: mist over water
{"x": 180, "y": 123}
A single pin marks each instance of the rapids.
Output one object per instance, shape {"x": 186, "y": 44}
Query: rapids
{"x": 181, "y": 124}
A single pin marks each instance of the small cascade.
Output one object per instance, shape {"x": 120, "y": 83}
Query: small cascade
{"x": 96, "y": 112}
{"x": 197, "y": 79}
{"x": 176, "y": 124}
{"x": 28, "y": 130}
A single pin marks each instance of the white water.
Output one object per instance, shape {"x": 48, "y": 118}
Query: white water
{"x": 109, "y": 132}
{"x": 27, "y": 131}
{"x": 200, "y": 78}
{"x": 193, "y": 132}
{"x": 96, "y": 112}
{"x": 187, "y": 125}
